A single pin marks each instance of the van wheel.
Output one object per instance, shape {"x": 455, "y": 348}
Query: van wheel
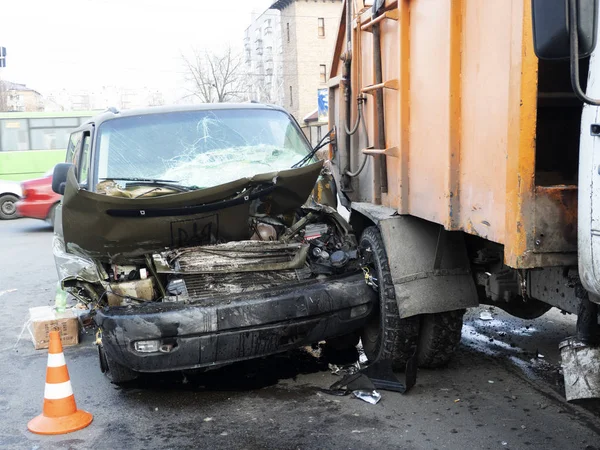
{"x": 114, "y": 371}
{"x": 439, "y": 338}
{"x": 8, "y": 206}
{"x": 386, "y": 335}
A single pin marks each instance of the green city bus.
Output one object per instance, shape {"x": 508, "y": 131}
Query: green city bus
{"x": 31, "y": 143}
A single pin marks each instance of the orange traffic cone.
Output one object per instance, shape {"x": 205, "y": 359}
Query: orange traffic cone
{"x": 60, "y": 414}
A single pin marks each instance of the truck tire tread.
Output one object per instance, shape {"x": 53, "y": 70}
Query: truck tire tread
{"x": 399, "y": 335}
{"x": 439, "y": 338}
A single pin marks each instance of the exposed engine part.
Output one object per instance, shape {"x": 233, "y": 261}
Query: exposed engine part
{"x": 340, "y": 258}
{"x": 237, "y": 256}
{"x": 316, "y": 246}
{"x": 136, "y": 290}
{"x": 298, "y": 226}
{"x": 315, "y": 230}
{"x": 270, "y": 220}
{"x": 318, "y": 253}
{"x": 118, "y": 273}
{"x": 326, "y": 263}
{"x": 263, "y": 232}
{"x": 85, "y": 292}
{"x": 176, "y": 291}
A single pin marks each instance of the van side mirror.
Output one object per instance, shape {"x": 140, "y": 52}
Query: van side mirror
{"x": 551, "y": 28}
{"x": 59, "y": 177}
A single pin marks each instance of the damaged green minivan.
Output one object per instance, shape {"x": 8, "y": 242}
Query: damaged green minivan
{"x": 204, "y": 235}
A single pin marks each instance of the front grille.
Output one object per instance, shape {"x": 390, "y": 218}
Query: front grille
{"x": 237, "y": 256}
{"x": 211, "y": 285}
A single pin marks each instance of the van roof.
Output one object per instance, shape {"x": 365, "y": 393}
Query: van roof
{"x": 113, "y": 113}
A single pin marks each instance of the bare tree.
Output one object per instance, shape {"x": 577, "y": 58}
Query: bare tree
{"x": 216, "y": 77}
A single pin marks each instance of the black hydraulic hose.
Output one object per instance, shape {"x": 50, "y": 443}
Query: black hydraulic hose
{"x": 364, "y": 161}
{"x": 355, "y": 127}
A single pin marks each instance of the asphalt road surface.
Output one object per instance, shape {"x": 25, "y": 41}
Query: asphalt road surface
{"x": 502, "y": 391}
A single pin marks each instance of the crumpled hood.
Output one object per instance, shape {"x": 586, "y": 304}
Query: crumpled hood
{"x": 113, "y": 228}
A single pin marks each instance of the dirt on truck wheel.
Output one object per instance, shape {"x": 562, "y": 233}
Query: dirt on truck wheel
{"x": 386, "y": 335}
{"x": 439, "y": 338}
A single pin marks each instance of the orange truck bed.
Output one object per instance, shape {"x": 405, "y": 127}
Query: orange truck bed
{"x": 461, "y": 115}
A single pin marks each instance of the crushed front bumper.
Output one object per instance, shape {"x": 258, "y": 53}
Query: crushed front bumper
{"x": 231, "y": 329}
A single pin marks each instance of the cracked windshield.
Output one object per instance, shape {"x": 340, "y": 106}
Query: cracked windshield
{"x": 199, "y": 149}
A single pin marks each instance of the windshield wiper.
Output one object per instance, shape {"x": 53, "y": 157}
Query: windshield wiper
{"x": 143, "y": 181}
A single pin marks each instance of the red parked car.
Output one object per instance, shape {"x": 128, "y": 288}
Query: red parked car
{"x": 39, "y": 200}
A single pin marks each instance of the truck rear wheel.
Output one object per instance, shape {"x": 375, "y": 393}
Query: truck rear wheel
{"x": 439, "y": 338}
{"x": 386, "y": 335}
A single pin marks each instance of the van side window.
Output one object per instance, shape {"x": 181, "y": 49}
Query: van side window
{"x": 84, "y": 161}
{"x": 73, "y": 146}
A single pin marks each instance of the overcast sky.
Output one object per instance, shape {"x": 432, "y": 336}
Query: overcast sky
{"x": 85, "y": 44}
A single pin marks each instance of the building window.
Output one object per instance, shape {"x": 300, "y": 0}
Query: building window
{"x": 321, "y": 23}
{"x": 291, "y": 97}
{"x": 287, "y": 27}
{"x": 323, "y": 73}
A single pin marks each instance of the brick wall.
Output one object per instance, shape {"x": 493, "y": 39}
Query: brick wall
{"x": 306, "y": 51}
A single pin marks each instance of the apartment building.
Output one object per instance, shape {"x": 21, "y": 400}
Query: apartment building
{"x": 263, "y": 56}
{"x": 289, "y": 49}
{"x": 15, "y": 97}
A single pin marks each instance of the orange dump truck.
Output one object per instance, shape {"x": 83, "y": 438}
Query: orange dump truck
{"x": 465, "y": 150}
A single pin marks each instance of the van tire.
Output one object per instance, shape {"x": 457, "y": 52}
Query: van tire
{"x": 386, "y": 335}
{"x": 115, "y": 372}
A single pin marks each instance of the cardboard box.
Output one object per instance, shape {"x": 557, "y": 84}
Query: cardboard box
{"x": 44, "y": 319}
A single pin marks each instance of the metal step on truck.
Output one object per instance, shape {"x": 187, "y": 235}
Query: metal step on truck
{"x": 468, "y": 151}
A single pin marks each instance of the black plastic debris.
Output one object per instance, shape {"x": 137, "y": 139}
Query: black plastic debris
{"x": 382, "y": 376}
{"x": 378, "y": 375}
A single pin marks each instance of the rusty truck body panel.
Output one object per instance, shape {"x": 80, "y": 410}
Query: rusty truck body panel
{"x": 469, "y": 124}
